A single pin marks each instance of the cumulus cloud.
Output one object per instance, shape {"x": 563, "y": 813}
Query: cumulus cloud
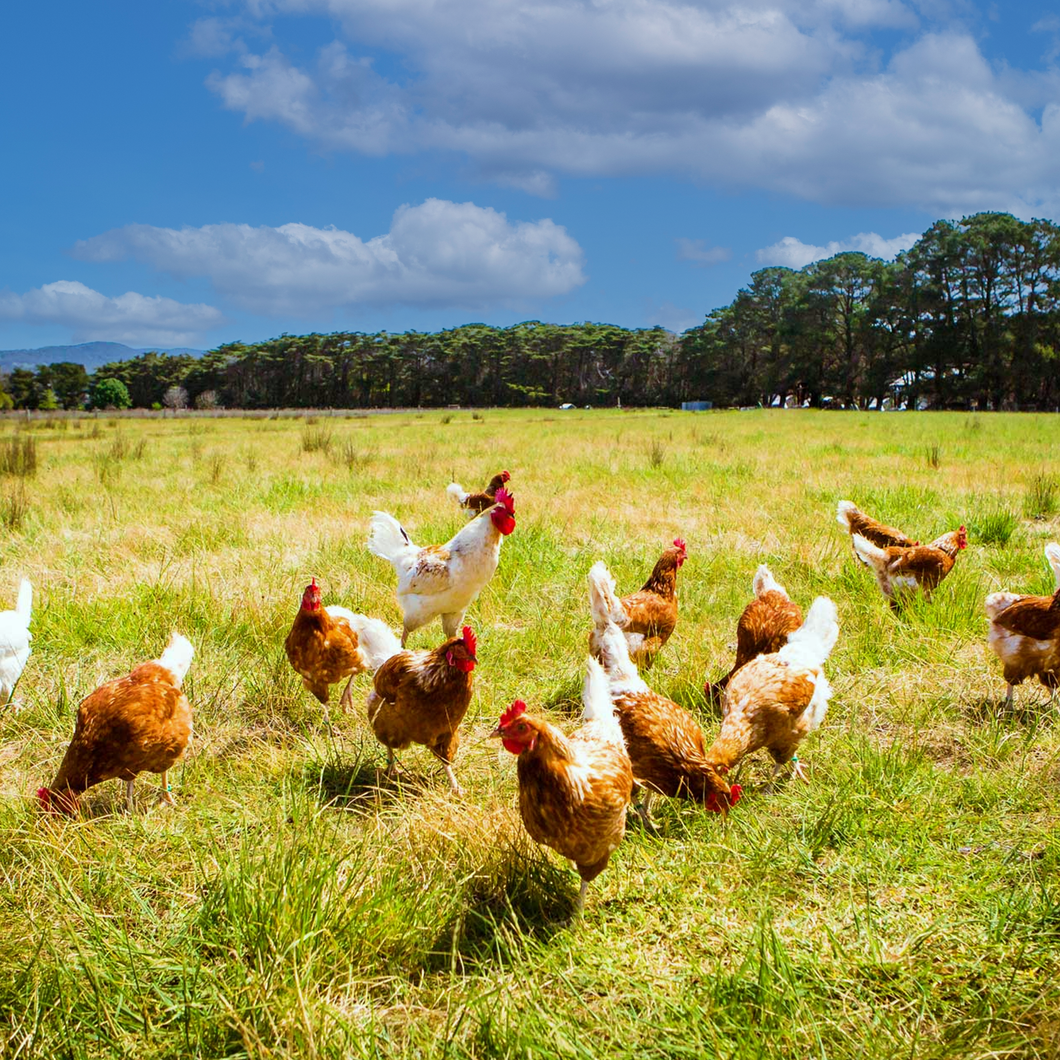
{"x": 790, "y": 97}
{"x": 142, "y": 320}
{"x": 697, "y": 252}
{"x": 794, "y": 253}
{"x": 436, "y": 253}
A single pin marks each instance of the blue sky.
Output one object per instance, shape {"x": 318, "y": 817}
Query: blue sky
{"x": 190, "y": 173}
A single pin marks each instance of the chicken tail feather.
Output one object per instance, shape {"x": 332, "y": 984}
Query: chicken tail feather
{"x": 764, "y": 582}
{"x": 604, "y": 605}
{"x": 456, "y": 492}
{"x": 868, "y": 553}
{"x": 814, "y": 640}
{"x": 375, "y": 639}
{"x": 24, "y": 607}
{"x": 1052, "y": 554}
{"x": 597, "y": 706}
{"x": 387, "y": 538}
{"x": 844, "y": 510}
{"x": 177, "y": 657}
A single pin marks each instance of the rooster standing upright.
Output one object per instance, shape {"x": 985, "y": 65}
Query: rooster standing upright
{"x": 443, "y": 581}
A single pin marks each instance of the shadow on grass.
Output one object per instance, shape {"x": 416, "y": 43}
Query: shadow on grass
{"x": 515, "y": 897}
{"x": 1027, "y": 711}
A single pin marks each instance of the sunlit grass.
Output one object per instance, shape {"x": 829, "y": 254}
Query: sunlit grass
{"x": 905, "y": 904}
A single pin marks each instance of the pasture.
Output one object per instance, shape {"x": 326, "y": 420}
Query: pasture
{"x": 905, "y": 903}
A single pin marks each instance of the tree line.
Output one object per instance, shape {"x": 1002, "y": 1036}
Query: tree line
{"x": 969, "y": 317}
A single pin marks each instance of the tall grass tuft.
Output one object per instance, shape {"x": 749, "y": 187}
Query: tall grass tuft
{"x": 1042, "y": 499}
{"x": 14, "y": 507}
{"x": 934, "y": 456}
{"x": 992, "y": 524}
{"x": 656, "y": 453}
{"x": 351, "y": 457}
{"x": 18, "y": 456}
{"x": 316, "y": 438}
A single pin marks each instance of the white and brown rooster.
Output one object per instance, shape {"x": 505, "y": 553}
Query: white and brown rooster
{"x": 443, "y": 581}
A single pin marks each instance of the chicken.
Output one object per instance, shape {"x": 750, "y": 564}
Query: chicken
{"x": 573, "y": 790}
{"x": 648, "y": 616}
{"x": 14, "y": 642}
{"x": 422, "y": 697}
{"x": 855, "y": 521}
{"x": 135, "y": 724}
{"x": 327, "y": 644}
{"x": 903, "y": 570}
{"x": 665, "y": 745}
{"x": 763, "y": 627}
{"x": 1025, "y": 632}
{"x": 476, "y": 503}
{"x": 443, "y": 581}
{"x": 777, "y": 700}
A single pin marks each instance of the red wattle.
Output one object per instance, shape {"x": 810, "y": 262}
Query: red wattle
{"x": 513, "y": 745}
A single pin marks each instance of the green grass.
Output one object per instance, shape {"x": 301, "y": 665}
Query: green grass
{"x": 904, "y": 904}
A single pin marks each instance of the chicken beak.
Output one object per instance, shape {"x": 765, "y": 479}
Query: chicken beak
{"x": 496, "y": 734}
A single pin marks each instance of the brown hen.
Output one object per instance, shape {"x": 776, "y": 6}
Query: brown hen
{"x": 134, "y": 724}
{"x": 421, "y": 697}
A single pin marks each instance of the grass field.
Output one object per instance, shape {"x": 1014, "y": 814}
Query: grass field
{"x": 904, "y": 904}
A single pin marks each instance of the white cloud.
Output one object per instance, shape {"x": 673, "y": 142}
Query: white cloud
{"x": 794, "y": 254}
{"x": 133, "y": 318}
{"x": 697, "y": 252}
{"x": 790, "y": 97}
{"x": 437, "y": 253}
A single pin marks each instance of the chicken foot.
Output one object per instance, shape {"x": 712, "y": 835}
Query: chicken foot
{"x": 166, "y": 796}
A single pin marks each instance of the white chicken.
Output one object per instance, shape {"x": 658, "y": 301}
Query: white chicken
{"x": 443, "y": 580}
{"x": 14, "y": 641}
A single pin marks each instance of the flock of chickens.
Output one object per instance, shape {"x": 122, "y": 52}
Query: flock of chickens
{"x": 574, "y": 790}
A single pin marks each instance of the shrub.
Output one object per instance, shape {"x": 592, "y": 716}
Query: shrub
{"x": 110, "y": 394}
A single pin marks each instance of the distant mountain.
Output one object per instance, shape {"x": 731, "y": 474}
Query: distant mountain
{"x": 90, "y": 354}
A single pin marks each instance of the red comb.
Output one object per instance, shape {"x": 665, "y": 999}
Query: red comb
{"x": 505, "y": 498}
{"x": 679, "y": 542}
{"x": 506, "y": 475}
{"x": 313, "y": 584}
{"x": 470, "y": 641}
{"x": 517, "y": 708}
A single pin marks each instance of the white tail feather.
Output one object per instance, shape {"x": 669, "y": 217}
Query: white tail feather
{"x": 1052, "y": 554}
{"x": 597, "y": 705}
{"x": 177, "y": 657}
{"x": 995, "y": 603}
{"x": 843, "y": 512}
{"x": 386, "y": 538}
{"x": 868, "y": 553}
{"x": 764, "y": 582}
{"x": 604, "y": 605}
{"x": 375, "y": 639}
{"x": 24, "y": 607}
{"x": 456, "y": 492}
{"x": 814, "y": 640}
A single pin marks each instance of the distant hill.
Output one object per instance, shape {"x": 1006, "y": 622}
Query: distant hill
{"x": 90, "y": 354}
